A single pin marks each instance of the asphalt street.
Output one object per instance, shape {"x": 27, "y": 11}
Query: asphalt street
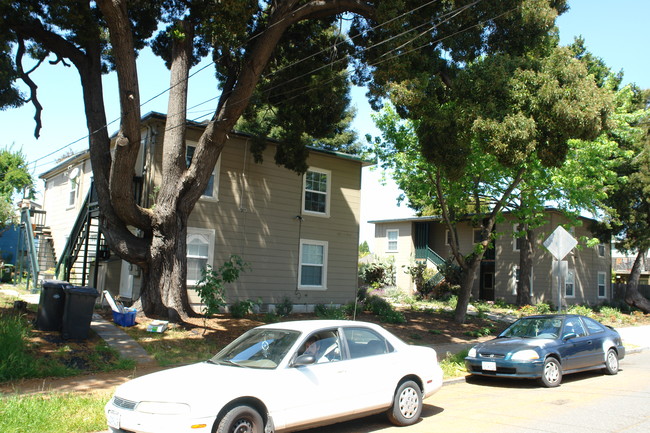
{"x": 585, "y": 403}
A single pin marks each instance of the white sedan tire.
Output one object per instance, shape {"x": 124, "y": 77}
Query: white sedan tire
{"x": 241, "y": 419}
{"x": 407, "y": 404}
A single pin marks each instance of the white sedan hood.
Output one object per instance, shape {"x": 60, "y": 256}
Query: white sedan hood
{"x": 191, "y": 383}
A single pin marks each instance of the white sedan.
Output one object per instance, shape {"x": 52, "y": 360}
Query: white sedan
{"x": 283, "y": 377}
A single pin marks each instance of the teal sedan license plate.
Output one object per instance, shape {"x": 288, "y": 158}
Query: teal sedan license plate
{"x": 489, "y": 366}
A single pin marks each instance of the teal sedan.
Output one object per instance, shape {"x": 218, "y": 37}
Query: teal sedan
{"x": 546, "y": 347}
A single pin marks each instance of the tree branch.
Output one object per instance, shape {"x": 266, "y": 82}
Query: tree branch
{"x": 33, "y": 88}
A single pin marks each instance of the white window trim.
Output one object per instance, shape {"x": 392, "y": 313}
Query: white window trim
{"x": 328, "y": 193}
{"x": 323, "y": 285}
{"x": 598, "y": 250}
{"x": 73, "y": 192}
{"x": 388, "y": 241}
{"x": 210, "y": 233}
{"x": 515, "y": 279}
{"x": 604, "y": 274}
{"x": 215, "y": 174}
{"x": 514, "y": 238}
{"x": 573, "y": 274}
{"x": 447, "y": 237}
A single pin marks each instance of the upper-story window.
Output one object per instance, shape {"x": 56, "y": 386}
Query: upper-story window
{"x": 72, "y": 194}
{"x": 212, "y": 186}
{"x": 316, "y": 192}
{"x": 391, "y": 238}
{"x": 601, "y": 250}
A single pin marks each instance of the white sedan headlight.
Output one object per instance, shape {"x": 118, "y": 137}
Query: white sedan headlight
{"x": 163, "y": 408}
{"x": 472, "y": 352}
{"x": 525, "y": 355}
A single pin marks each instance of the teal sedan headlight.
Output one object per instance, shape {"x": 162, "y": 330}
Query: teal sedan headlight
{"x": 525, "y": 355}
{"x": 472, "y": 352}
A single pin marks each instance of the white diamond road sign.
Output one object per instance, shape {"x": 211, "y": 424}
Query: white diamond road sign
{"x": 560, "y": 243}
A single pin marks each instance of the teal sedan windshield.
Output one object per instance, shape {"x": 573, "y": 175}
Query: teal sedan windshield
{"x": 257, "y": 348}
{"x": 534, "y": 327}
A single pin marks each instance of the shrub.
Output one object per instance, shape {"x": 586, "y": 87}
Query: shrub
{"x": 333, "y": 313}
{"x": 240, "y": 309}
{"x": 382, "y": 308}
{"x": 210, "y": 287}
{"x": 421, "y": 276}
{"x": 581, "y": 309}
{"x": 378, "y": 274}
{"x": 284, "y": 308}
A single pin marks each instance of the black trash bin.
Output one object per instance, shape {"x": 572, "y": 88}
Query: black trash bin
{"x": 78, "y": 312}
{"x": 51, "y": 305}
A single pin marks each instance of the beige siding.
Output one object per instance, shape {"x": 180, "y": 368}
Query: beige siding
{"x": 60, "y": 215}
{"x": 403, "y": 255}
{"x": 583, "y": 260}
{"x": 258, "y": 216}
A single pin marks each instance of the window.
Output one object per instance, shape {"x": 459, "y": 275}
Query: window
{"x": 392, "y": 236}
{"x": 478, "y": 236}
{"x": 601, "y": 250}
{"x": 602, "y": 285}
{"x": 323, "y": 346}
{"x": 516, "y": 272}
{"x": 316, "y": 197}
{"x": 517, "y": 241}
{"x": 592, "y": 326}
{"x": 447, "y": 237}
{"x": 313, "y": 265}
{"x": 573, "y": 328}
{"x": 72, "y": 195}
{"x": 200, "y": 249}
{"x": 211, "y": 188}
{"x": 569, "y": 285}
{"x": 365, "y": 342}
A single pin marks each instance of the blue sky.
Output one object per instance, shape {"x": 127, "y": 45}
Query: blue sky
{"x": 614, "y": 30}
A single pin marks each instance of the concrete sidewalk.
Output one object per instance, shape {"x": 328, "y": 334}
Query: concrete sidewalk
{"x": 120, "y": 340}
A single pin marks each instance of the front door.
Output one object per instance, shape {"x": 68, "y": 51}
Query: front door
{"x": 486, "y": 290}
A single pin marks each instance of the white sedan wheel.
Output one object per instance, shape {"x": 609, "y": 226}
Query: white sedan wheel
{"x": 407, "y": 405}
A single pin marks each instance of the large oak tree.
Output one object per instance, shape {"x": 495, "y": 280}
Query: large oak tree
{"x": 248, "y": 40}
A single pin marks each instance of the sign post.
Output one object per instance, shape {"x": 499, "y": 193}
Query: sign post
{"x": 559, "y": 244}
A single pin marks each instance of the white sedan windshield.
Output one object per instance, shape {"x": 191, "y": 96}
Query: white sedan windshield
{"x": 258, "y": 348}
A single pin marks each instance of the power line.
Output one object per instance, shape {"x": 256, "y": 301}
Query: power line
{"x": 450, "y": 14}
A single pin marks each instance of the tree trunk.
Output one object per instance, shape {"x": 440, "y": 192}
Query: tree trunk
{"x": 525, "y": 267}
{"x": 161, "y": 296}
{"x": 469, "y": 275}
{"x": 632, "y": 295}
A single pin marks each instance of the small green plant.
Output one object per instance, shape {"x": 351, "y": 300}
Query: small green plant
{"x": 482, "y": 332}
{"x": 434, "y": 331}
{"x": 271, "y": 317}
{"x": 240, "y": 309}
{"x": 454, "y": 365}
{"x": 582, "y": 310}
{"x": 284, "y": 308}
{"x": 210, "y": 287}
{"x": 324, "y": 312}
